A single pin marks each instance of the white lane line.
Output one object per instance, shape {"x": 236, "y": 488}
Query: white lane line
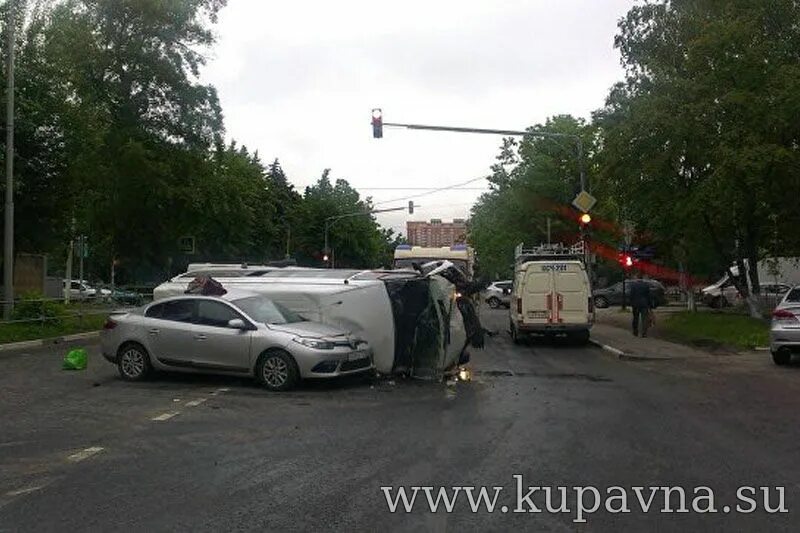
{"x": 26, "y": 490}
{"x": 195, "y": 403}
{"x": 164, "y": 416}
{"x": 218, "y": 391}
{"x": 85, "y": 454}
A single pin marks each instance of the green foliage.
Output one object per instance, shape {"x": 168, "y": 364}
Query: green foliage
{"x": 725, "y": 329}
{"x": 700, "y": 146}
{"x": 532, "y": 181}
{"x": 117, "y": 139}
{"x": 33, "y": 306}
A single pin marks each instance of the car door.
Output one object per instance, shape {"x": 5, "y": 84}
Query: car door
{"x": 615, "y": 294}
{"x": 170, "y": 331}
{"x": 216, "y": 345}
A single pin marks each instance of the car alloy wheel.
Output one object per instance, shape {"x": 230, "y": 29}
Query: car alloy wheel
{"x": 493, "y": 302}
{"x": 275, "y": 372}
{"x": 133, "y": 363}
{"x": 600, "y": 302}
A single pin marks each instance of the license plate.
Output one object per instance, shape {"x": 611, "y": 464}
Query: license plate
{"x": 538, "y": 314}
{"x": 355, "y": 356}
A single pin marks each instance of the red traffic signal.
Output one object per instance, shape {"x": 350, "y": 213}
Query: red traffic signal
{"x": 626, "y": 260}
{"x": 377, "y": 123}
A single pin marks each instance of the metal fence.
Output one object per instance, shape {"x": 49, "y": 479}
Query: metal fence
{"x": 76, "y": 310}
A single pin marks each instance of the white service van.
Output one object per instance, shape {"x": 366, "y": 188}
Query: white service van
{"x": 551, "y": 293}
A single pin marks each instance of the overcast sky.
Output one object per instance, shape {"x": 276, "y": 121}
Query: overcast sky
{"x": 297, "y": 81}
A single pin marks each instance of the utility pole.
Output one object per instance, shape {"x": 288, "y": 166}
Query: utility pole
{"x": 8, "y": 234}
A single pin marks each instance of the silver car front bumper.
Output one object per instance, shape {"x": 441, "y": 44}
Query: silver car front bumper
{"x": 331, "y": 363}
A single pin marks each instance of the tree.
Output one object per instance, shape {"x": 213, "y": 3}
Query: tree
{"x": 355, "y": 241}
{"x": 532, "y": 181}
{"x": 698, "y": 142}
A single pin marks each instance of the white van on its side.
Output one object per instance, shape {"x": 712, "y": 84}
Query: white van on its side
{"x": 551, "y": 296}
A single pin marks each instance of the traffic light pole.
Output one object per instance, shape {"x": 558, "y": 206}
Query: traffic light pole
{"x": 577, "y": 139}
{"x": 330, "y": 221}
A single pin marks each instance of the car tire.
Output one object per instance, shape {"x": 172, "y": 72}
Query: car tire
{"x": 600, "y": 302}
{"x": 277, "y": 371}
{"x": 133, "y": 362}
{"x": 782, "y": 357}
{"x": 493, "y": 302}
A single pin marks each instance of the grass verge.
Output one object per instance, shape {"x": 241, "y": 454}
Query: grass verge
{"x": 726, "y": 329}
{"x": 27, "y": 331}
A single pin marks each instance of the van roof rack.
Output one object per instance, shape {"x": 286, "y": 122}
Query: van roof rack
{"x": 544, "y": 252}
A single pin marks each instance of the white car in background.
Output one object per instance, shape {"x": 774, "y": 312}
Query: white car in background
{"x": 80, "y": 290}
{"x": 498, "y": 294}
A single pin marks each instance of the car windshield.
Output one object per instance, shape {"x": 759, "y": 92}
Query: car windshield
{"x": 266, "y": 311}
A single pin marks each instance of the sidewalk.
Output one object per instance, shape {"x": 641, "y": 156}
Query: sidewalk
{"x": 622, "y": 344}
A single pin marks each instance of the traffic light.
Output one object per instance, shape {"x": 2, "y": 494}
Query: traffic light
{"x": 584, "y": 219}
{"x": 626, "y": 260}
{"x": 411, "y": 207}
{"x": 377, "y": 123}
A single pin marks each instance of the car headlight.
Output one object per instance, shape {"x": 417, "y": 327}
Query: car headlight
{"x": 316, "y": 344}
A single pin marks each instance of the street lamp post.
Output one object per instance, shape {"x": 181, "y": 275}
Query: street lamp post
{"x": 330, "y": 221}
{"x": 8, "y": 234}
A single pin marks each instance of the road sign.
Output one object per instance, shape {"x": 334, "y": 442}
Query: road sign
{"x": 186, "y": 245}
{"x": 584, "y": 201}
{"x": 81, "y": 247}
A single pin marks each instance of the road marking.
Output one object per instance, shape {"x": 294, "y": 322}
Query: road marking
{"x": 26, "y": 490}
{"x": 195, "y": 403}
{"x": 84, "y": 454}
{"x": 164, "y": 416}
{"x": 223, "y": 389}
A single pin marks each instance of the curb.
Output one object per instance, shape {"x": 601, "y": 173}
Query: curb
{"x": 10, "y": 346}
{"x": 621, "y": 355}
{"x": 610, "y": 349}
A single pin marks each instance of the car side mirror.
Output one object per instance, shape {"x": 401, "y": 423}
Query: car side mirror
{"x": 237, "y": 323}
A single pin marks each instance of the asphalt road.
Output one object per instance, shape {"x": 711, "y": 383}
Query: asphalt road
{"x": 87, "y": 451}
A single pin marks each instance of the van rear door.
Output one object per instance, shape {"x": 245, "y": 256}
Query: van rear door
{"x": 572, "y": 295}
{"x": 537, "y": 293}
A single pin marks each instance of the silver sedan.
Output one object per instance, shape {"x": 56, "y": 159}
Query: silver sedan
{"x": 237, "y": 334}
{"x": 784, "y": 334}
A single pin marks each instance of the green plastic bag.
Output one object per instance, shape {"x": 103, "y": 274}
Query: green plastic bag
{"x": 75, "y": 360}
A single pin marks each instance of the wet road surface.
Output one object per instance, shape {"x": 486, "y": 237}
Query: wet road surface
{"x": 87, "y": 451}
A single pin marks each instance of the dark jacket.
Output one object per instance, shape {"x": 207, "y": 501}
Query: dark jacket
{"x": 640, "y": 294}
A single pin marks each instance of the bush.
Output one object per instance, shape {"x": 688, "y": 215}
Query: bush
{"x": 33, "y": 306}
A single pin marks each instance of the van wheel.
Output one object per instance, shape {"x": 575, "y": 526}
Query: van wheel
{"x": 782, "y": 357}
{"x": 581, "y": 337}
{"x": 600, "y": 302}
{"x": 493, "y": 302}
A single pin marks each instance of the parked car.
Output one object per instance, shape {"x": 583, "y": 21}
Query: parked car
{"x": 80, "y": 290}
{"x": 784, "y": 333}
{"x": 613, "y": 295}
{"x": 126, "y": 297}
{"x": 240, "y": 333}
{"x": 498, "y": 294}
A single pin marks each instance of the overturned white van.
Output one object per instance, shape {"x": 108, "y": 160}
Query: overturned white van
{"x": 413, "y": 322}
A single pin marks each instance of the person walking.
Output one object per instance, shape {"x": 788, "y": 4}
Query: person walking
{"x": 641, "y": 301}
